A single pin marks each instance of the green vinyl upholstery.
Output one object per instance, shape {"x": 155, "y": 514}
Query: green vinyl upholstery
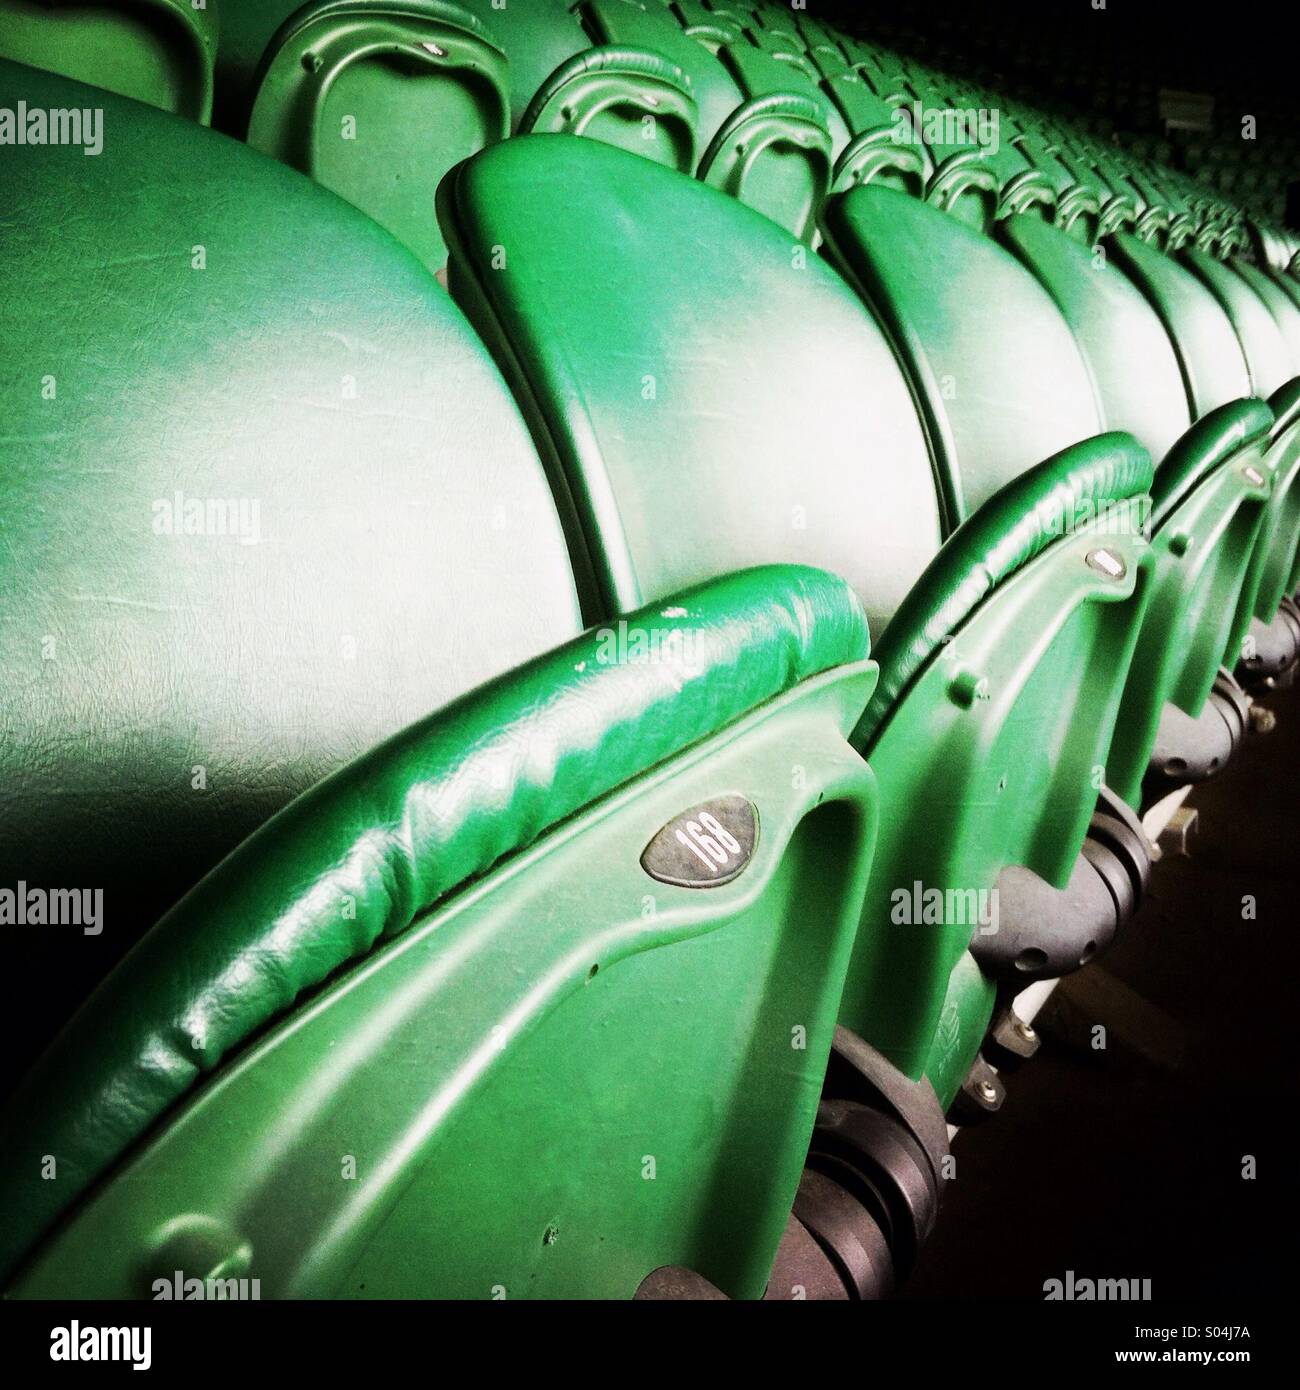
{"x": 1000, "y": 379}
{"x": 682, "y": 458}
{"x": 358, "y": 858}
{"x": 1209, "y": 352}
{"x": 1128, "y": 353}
{"x": 238, "y": 517}
{"x": 1210, "y": 443}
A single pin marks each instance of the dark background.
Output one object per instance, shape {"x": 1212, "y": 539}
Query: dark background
{"x": 1112, "y": 63}
{"x": 1127, "y": 1164}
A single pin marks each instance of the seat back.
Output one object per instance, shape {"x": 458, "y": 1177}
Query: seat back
{"x": 377, "y": 103}
{"x": 777, "y": 152}
{"x": 1128, "y": 352}
{"x": 160, "y": 52}
{"x": 1261, "y": 340}
{"x": 1209, "y": 352}
{"x": 682, "y": 456}
{"x": 1285, "y": 309}
{"x": 262, "y": 485}
{"x": 998, "y": 375}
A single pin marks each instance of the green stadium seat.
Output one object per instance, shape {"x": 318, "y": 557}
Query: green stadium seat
{"x": 374, "y": 102}
{"x": 160, "y": 52}
{"x": 681, "y": 459}
{"x": 235, "y": 509}
{"x": 1003, "y": 381}
{"x": 339, "y": 892}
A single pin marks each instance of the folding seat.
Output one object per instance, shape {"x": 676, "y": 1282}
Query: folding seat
{"x": 1078, "y": 194}
{"x": 1228, "y": 348}
{"x": 156, "y": 51}
{"x": 572, "y": 879}
{"x": 1088, "y": 203}
{"x": 971, "y": 320}
{"x": 808, "y": 134}
{"x": 1207, "y": 518}
{"x": 374, "y": 102}
{"x": 221, "y": 409}
{"x": 738, "y": 406}
{"x": 768, "y": 135}
{"x": 978, "y": 183}
{"x": 874, "y": 153}
{"x": 695, "y": 92}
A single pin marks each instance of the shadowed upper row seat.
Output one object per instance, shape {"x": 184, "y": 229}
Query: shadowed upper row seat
{"x": 157, "y": 51}
{"x": 240, "y": 535}
{"x": 375, "y": 101}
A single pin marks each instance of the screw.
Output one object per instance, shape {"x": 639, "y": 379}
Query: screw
{"x": 1024, "y": 1030}
{"x": 988, "y": 1091}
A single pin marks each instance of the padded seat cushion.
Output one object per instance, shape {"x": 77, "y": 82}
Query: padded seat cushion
{"x": 265, "y": 501}
{"x": 389, "y": 837}
{"x": 1014, "y": 525}
{"x": 711, "y": 394}
{"x": 1123, "y": 342}
{"x": 1209, "y": 444}
{"x": 996, "y": 369}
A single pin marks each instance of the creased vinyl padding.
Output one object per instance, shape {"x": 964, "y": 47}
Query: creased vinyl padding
{"x": 1210, "y": 442}
{"x": 1010, "y": 529}
{"x": 358, "y": 858}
